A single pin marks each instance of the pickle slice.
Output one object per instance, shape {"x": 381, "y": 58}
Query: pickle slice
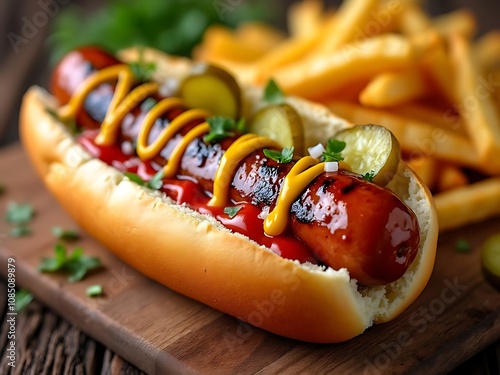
{"x": 490, "y": 260}
{"x": 372, "y": 151}
{"x": 282, "y": 124}
{"x": 212, "y": 88}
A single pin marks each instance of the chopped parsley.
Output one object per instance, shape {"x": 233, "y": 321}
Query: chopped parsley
{"x": 272, "y": 93}
{"x": 223, "y": 127}
{"x": 23, "y": 299}
{"x": 232, "y": 211}
{"x": 20, "y": 231}
{"x": 155, "y": 183}
{"x": 69, "y": 235}
{"x": 147, "y": 104}
{"x": 333, "y": 150}
{"x": 19, "y": 213}
{"x": 95, "y": 290}
{"x": 462, "y": 246}
{"x": 76, "y": 264}
{"x": 142, "y": 70}
{"x": 368, "y": 176}
{"x": 70, "y": 124}
{"x": 284, "y": 156}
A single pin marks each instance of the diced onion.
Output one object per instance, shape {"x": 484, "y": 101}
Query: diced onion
{"x": 169, "y": 87}
{"x": 331, "y": 166}
{"x": 316, "y": 151}
{"x": 127, "y": 148}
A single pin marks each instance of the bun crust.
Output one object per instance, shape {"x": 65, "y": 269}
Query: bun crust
{"x": 196, "y": 256}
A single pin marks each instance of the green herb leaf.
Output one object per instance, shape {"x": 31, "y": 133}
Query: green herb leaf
{"x": 220, "y": 128}
{"x": 23, "y": 299}
{"x": 135, "y": 178}
{"x": 284, "y": 156}
{"x": 156, "y": 182}
{"x": 333, "y": 150}
{"x": 70, "y": 124}
{"x": 462, "y": 246}
{"x": 232, "y": 211}
{"x": 141, "y": 70}
{"x": 368, "y": 176}
{"x": 77, "y": 265}
{"x": 95, "y": 290}
{"x": 20, "y": 231}
{"x": 19, "y": 213}
{"x": 69, "y": 235}
{"x": 272, "y": 93}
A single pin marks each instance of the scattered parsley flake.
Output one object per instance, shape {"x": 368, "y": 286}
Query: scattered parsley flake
{"x": 334, "y": 147}
{"x": 222, "y": 127}
{"x": 19, "y": 213}
{"x": 156, "y": 182}
{"x": 23, "y": 299}
{"x": 95, "y": 290}
{"x": 272, "y": 93}
{"x": 368, "y": 176}
{"x": 147, "y": 104}
{"x": 20, "y": 231}
{"x": 283, "y": 157}
{"x": 462, "y": 246}
{"x": 77, "y": 265}
{"x": 232, "y": 211}
{"x": 142, "y": 70}
{"x": 69, "y": 235}
{"x": 135, "y": 178}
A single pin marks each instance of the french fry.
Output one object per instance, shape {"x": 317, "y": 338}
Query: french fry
{"x": 450, "y": 177}
{"x": 352, "y": 18}
{"x": 475, "y": 103}
{"x": 468, "y": 204}
{"x": 304, "y": 18}
{"x": 258, "y": 34}
{"x": 393, "y": 88}
{"x": 486, "y": 50}
{"x": 316, "y": 78}
{"x": 426, "y": 168}
{"x": 438, "y": 67}
{"x": 413, "y": 19}
{"x": 436, "y": 117}
{"x": 416, "y": 137}
{"x": 461, "y": 21}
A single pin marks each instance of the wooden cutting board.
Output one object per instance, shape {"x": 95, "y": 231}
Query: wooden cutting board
{"x": 163, "y": 332}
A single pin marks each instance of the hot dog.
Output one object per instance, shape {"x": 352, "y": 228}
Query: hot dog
{"x": 339, "y": 277}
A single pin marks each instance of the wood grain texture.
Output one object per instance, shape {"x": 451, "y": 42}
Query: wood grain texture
{"x": 160, "y": 331}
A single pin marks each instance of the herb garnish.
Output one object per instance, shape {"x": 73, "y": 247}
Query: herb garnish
{"x": 222, "y": 127}
{"x": 272, "y": 93}
{"x": 20, "y": 231}
{"x": 283, "y": 157}
{"x": 232, "y": 211}
{"x": 368, "y": 176}
{"x": 69, "y": 235}
{"x": 334, "y": 147}
{"x": 70, "y": 124}
{"x": 462, "y": 246}
{"x": 95, "y": 290}
{"x": 142, "y": 70}
{"x": 155, "y": 183}
{"x": 23, "y": 299}
{"x": 77, "y": 265}
{"x": 19, "y": 213}
{"x": 147, "y": 104}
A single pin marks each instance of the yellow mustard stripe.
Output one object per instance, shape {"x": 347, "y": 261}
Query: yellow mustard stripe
{"x": 173, "y": 164}
{"x": 111, "y": 124}
{"x": 243, "y": 147}
{"x": 120, "y": 72}
{"x": 147, "y": 152}
{"x": 301, "y": 175}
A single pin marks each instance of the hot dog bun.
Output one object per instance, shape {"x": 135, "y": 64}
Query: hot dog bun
{"x": 196, "y": 256}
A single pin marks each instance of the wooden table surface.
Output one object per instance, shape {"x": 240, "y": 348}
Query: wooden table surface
{"x": 49, "y": 344}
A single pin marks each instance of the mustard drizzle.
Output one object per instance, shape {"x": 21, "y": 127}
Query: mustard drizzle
{"x": 125, "y": 99}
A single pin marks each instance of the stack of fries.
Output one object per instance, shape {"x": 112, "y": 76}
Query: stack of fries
{"x": 428, "y": 80}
